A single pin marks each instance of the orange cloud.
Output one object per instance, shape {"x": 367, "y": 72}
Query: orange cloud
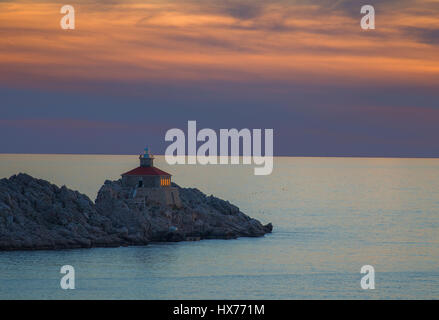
{"x": 171, "y": 41}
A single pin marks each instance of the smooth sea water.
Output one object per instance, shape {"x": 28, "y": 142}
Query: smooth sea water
{"x": 330, "y": 216}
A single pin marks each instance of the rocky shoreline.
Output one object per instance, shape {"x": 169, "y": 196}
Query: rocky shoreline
{"x": 38, "y": 215}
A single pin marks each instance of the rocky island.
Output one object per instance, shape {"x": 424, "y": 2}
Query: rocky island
{"x": 35, "y": 214}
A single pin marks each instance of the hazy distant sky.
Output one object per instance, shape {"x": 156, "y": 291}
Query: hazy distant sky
{"x": 133, "y": 69}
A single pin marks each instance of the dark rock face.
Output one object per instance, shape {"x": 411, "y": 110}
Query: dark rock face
{"x": 35, "y": 214}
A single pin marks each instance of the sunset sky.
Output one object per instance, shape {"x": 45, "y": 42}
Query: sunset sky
{"x": 132, "y": 69}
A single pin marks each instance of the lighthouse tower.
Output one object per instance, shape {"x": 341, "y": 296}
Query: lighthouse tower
{"x": 146, "y": 159}
{"x": 150, "y": 184}
{"x": 146, "y": 175}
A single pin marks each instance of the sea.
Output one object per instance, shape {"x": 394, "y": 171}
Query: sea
{"x": 330, "y": 217}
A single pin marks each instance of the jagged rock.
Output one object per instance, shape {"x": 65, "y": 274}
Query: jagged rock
{"x": 35, "y": 214}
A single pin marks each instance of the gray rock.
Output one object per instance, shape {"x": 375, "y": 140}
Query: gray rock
{"x": 35, "y": 214}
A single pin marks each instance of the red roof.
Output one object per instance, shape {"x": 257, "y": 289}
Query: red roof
{"x": 146, "y": 171}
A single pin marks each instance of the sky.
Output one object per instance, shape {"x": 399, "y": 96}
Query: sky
{"x": 133, "y": 69}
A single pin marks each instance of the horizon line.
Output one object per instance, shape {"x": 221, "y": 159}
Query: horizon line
{"x": 275, "y": 156}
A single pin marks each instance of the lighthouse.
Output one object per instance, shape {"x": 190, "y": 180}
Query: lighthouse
{"x": 146, "y": 175}
{"x": 149, "y": 183}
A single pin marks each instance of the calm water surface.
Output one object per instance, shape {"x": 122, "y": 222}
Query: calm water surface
{"x": 330, "y": 215}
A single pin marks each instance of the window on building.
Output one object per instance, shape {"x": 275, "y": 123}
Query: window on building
{"x": 165, "y": 182}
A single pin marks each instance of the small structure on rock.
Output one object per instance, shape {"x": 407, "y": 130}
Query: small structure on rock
{"x": 150, "y": 184}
